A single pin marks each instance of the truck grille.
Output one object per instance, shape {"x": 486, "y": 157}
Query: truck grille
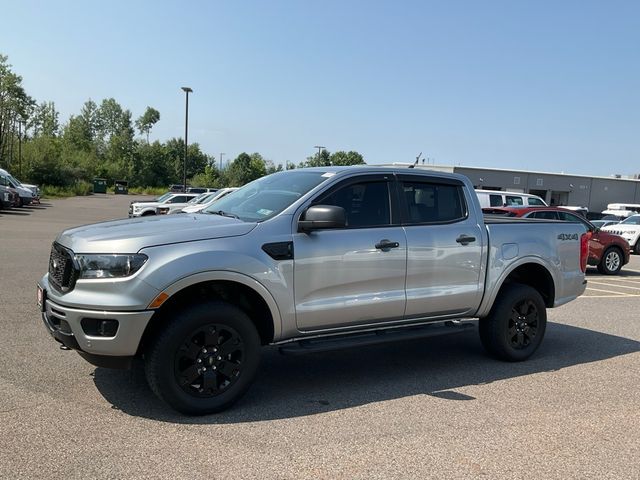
{"x": 62, "y": 274}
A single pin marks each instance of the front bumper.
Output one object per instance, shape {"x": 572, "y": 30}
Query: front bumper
{"x": 117, "y": 351}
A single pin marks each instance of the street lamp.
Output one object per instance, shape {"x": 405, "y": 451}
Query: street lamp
{"x": 20, "y": 122}
{"x": 221, "y": 162}
{"x": 187, "y": 91}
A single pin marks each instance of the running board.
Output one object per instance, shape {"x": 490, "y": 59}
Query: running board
{"x": 326, "y": 344}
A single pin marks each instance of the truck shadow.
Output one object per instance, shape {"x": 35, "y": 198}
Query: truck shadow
{"x": 289, "y": 387}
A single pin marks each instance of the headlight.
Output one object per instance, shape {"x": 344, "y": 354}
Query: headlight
{"x": 109, "y": 266}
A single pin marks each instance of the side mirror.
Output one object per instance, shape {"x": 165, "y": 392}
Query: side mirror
{"x": 318, "y": 217}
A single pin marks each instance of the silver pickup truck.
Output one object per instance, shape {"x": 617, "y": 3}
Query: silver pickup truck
{"x": 308, "y": 260}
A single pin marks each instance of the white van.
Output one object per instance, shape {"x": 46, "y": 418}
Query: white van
{"x": 622, "y": 210}
{"x": 497, "y": 198}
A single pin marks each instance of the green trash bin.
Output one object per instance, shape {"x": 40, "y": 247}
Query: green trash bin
{"x": 99, "y": 185}
{"x": 121, "y": 187}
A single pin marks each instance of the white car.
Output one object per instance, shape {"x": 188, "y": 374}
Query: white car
{"x": 177, "y": 207}
{"x": 629, "y": 229}
{"x": 142, "y": 209}
{"x": 208, "y": 201}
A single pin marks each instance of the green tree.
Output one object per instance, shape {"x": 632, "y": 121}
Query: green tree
{"x": 320, "y": 159}
{"x": 44, "y": 120}
{"x": 196, "y": 159}
{"x": 346, "y": 158}
{"x": 15, "y": 106}
{"x": 245, "y": 168}
{"x": 150, "y": 117}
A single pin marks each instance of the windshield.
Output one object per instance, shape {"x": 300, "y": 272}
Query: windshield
{"x": 267, "y": 196}
{"x": 635, "y": 220}
{"x": 162, "y": 198}
{"x": 206, "y": 197}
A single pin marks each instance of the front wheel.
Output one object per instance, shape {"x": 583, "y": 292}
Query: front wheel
{"x": 205, "y": 359}
{"x": 611, "y": 262}
{"x": 636, "y": 248}
{"x": 515, "y": 327}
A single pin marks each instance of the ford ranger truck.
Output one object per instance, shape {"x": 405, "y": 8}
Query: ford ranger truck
{"x": 307, "y": 260}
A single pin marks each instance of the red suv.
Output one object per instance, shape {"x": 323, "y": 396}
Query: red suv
{"x": 607, "y": 251}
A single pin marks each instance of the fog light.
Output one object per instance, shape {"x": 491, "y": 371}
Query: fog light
{"x": 97, "y": 327}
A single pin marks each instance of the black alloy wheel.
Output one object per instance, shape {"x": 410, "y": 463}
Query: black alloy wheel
{"x": 516, "y": 324}
{"x": 203, "y": 358}
{"x": 523, "y": 324}
{"x": 209, "y": 361}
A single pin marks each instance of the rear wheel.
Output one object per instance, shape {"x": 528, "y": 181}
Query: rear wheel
{"x": 205, "y": 359}
{"x": 611, "y": 262}
{"x": 515, "y": 327}
{"x": 636, "y": 248}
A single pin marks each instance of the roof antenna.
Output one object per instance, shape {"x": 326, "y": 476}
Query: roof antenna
{"x": 417, "y": 160}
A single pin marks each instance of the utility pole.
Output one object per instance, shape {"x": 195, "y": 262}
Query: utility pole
{"x": 221, "y": 162}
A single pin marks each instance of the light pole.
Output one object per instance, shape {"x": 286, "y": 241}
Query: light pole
{"x": 20, "y": 147}
{"x": 221, "y": 162}
{"x": 187, "y": 91}
{"x": 319, "y": 147}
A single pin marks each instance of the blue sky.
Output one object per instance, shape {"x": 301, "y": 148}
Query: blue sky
{"x": 534, "y": 85}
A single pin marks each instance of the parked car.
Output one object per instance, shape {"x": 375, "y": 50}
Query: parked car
{"x": 209, "y": 200}
{"x": 7, "y": 196}
{"x": 176, "y": 206}
{"x": 25, "y": 195}
{"x": 497, "y": 198}
{"x": 176, "y": 188}
{"x": 604, "y": 223}
{"x": 629, "y": 229}
{"x": 311, "y": 259}
{"x": 608, "y": 252}
{"x": 143, "y": 209}
{"x": 201, "y": 190}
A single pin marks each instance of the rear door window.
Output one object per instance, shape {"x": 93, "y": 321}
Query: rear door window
{"x": 428, "y": 202}
{"x": 514, "y": 200}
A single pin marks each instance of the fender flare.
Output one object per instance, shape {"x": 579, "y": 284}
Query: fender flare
{"x": 236, "y": 277}
{"x": 489, "y": 300}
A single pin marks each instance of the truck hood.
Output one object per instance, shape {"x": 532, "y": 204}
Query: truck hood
{"x": 131, "y": 235}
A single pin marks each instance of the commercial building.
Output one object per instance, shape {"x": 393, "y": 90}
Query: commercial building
{"x": 555, "y": 188}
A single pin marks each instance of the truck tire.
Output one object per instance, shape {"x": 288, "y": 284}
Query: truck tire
{"x": 515, "y": 326}
{"x": 611, "y": 261}
{"x": 205, "y": 358}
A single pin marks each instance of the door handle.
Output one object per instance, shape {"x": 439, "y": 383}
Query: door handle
{"x": 465, "y": 239}
{"x": 386, "y": 244}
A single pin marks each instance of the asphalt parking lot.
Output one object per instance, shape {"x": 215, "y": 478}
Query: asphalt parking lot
{"x": 431, "y": 408}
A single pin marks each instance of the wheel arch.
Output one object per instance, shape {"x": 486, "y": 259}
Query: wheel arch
{"x": 529, "y": 272}
{"x": 235, "y": 288}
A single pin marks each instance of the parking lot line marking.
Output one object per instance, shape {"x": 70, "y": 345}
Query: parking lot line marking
{"x": 610, "y": 291}
{"x": 615, "y": 285}
{"x": 606, "y": 296}
{"x": 629, "y": 270}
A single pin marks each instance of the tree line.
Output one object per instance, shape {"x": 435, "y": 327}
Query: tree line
{"x": 103, "y": 140}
